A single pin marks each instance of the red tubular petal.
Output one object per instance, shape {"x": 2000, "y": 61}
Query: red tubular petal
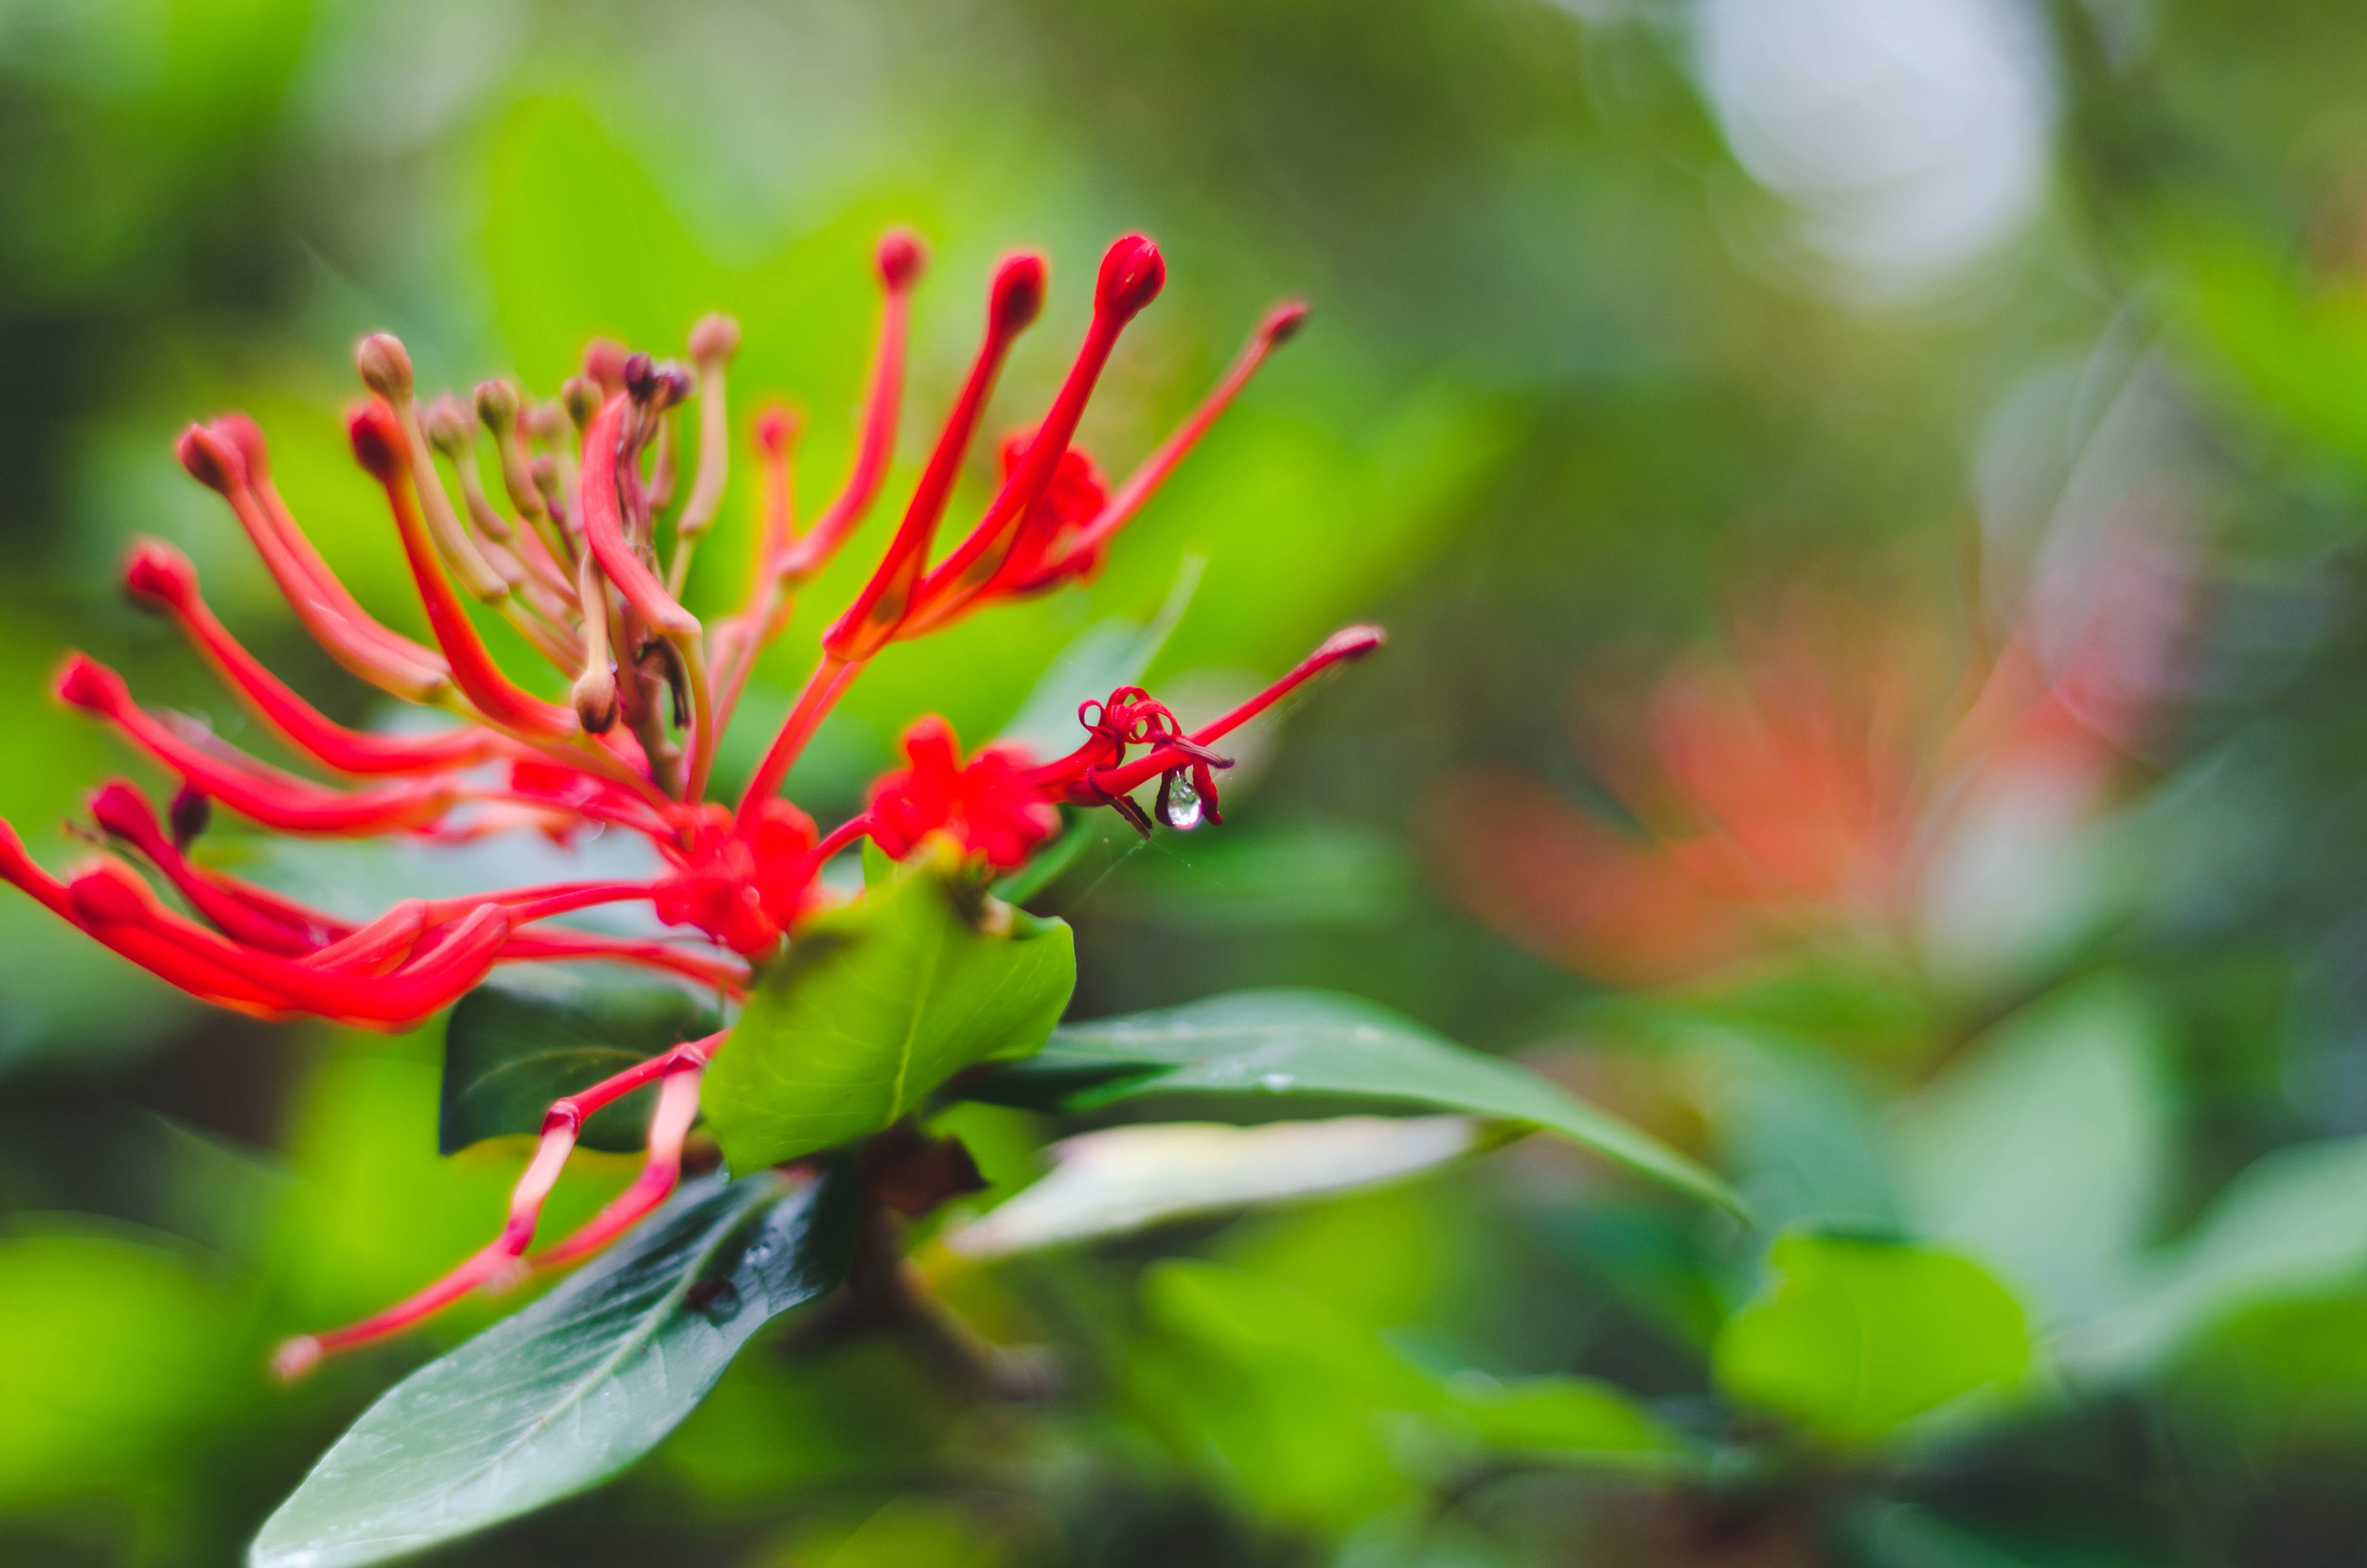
{"x": 229, "y": 457}
{"x": 378, "y": 444}
{"x": 377, "y": 946}
{"x": 677, "y": 1108}
{"x": 160, "y": 575}
{"x": 603, "y": 527}
{"x": 705, "y": 967}
{"x": 241, "y": 911}
{"x": 158, "y": 957}
{"x": 899, "y": 261}
{"x": 560, "y": 1127}
{"x": 1013, "y": 304}
{"x": 1348, "y": 643}
{"x": 824, "y": 687}
{"x": 1082, "y": 554}
{"x": 1131, "y": 274}
{"x": 110, "y": 900}
{"x": 249, "y": 788}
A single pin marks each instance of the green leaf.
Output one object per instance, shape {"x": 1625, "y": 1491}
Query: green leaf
{"x": 1575, "y": 1418}
{"x": 1290, "y": 1055}
{"x": 1124, "y": 1178}
{"x": 2046, "y": 1152}
{"x": 2292, "y": 1222}
{"x": 1856, "y": 1337}
{"x": 874, "y": 1006}
{"x": 534, "y": 1033}
{"x": 569, "y": 1391}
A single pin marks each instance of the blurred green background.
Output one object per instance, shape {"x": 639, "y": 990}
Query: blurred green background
{"x": 1868, "y": 498}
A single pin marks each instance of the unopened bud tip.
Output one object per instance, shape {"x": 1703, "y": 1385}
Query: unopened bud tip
{"x": 1018, "y": 295}
{"x": 155, "y": 572}
{"x": 714, "y": 340}
{"x": 377, "y": 436}
{"x": 384, "y": 364}
{"x": 497, "y": 405}
{"x": 1283, "y": 322}
{"x": 296, "y": 1358}
{"x": 1133, "y": 273}
{"x": 210, "y": 461}
{"x": 900, "y": 257}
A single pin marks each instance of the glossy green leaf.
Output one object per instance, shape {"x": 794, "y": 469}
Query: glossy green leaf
{"x": 563, "y": 1395}
{"x": 874, "y": 1006}
{"x": 1854, "y": 1337}
{"x": 533, "y": 1033}
{"x": 1290, "y": 1055}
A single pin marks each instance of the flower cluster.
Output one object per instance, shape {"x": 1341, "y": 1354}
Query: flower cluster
{"x": 587, "y": 561}
{"x": 1926, "y": 805}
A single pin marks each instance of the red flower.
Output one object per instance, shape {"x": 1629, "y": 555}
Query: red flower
{"x": 1844, "y": 780}
{"x": 991, "y": 806}
{"x": 573, "y": 562}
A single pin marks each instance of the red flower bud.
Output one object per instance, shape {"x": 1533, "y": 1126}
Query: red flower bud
{"x": 1017, "y": 299}
{"x": 378, "y": 442}
{"x": 900, "y": 256}
{"x": 82, "y": 682}
{"x": 210, "y": 461}
{"x": 158, "y": 575}
{"x": 1133, "y": 273}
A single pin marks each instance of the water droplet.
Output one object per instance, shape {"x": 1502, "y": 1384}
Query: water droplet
{"x": 1277, "y": 1081}
{"x": 716, "y": 1300}
{"x": 1178, "y": 803}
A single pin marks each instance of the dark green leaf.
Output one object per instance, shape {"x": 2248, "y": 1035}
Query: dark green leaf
{"x": 569, "y": 1391}
{"x": 536, "y": 1032}
{"x": 875, "y": 1006}
{"x": 1287, "y": 1055}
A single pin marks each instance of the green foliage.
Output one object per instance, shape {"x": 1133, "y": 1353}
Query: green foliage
{"x": 1854, "y": 1337}
{"x": 1307, "y": 1407}
{"x": 531, "y": 1035}
{"x": 567, "y": 1393}
{"x": 2046, "y": 1151}
{"x": 115, "y": 1350}
{"x": 873, "y": 1007}
{"x": 1574, "y": 1420}
{"x": 1260, "y": 1056}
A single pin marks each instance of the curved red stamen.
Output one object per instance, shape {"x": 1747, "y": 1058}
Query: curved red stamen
{"x": 1082, "y": 554}
{"x": 247, "y": 787}
{"x": 900, "y": 260}
{"x": 1012, "y": 306}
{"x": 1352, "y": 642}
{"x": 603, "y": 526}
{"x": 378, "y": 444}
{"x": 1131, "y": 274}
{"x": 160, "y": 575}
